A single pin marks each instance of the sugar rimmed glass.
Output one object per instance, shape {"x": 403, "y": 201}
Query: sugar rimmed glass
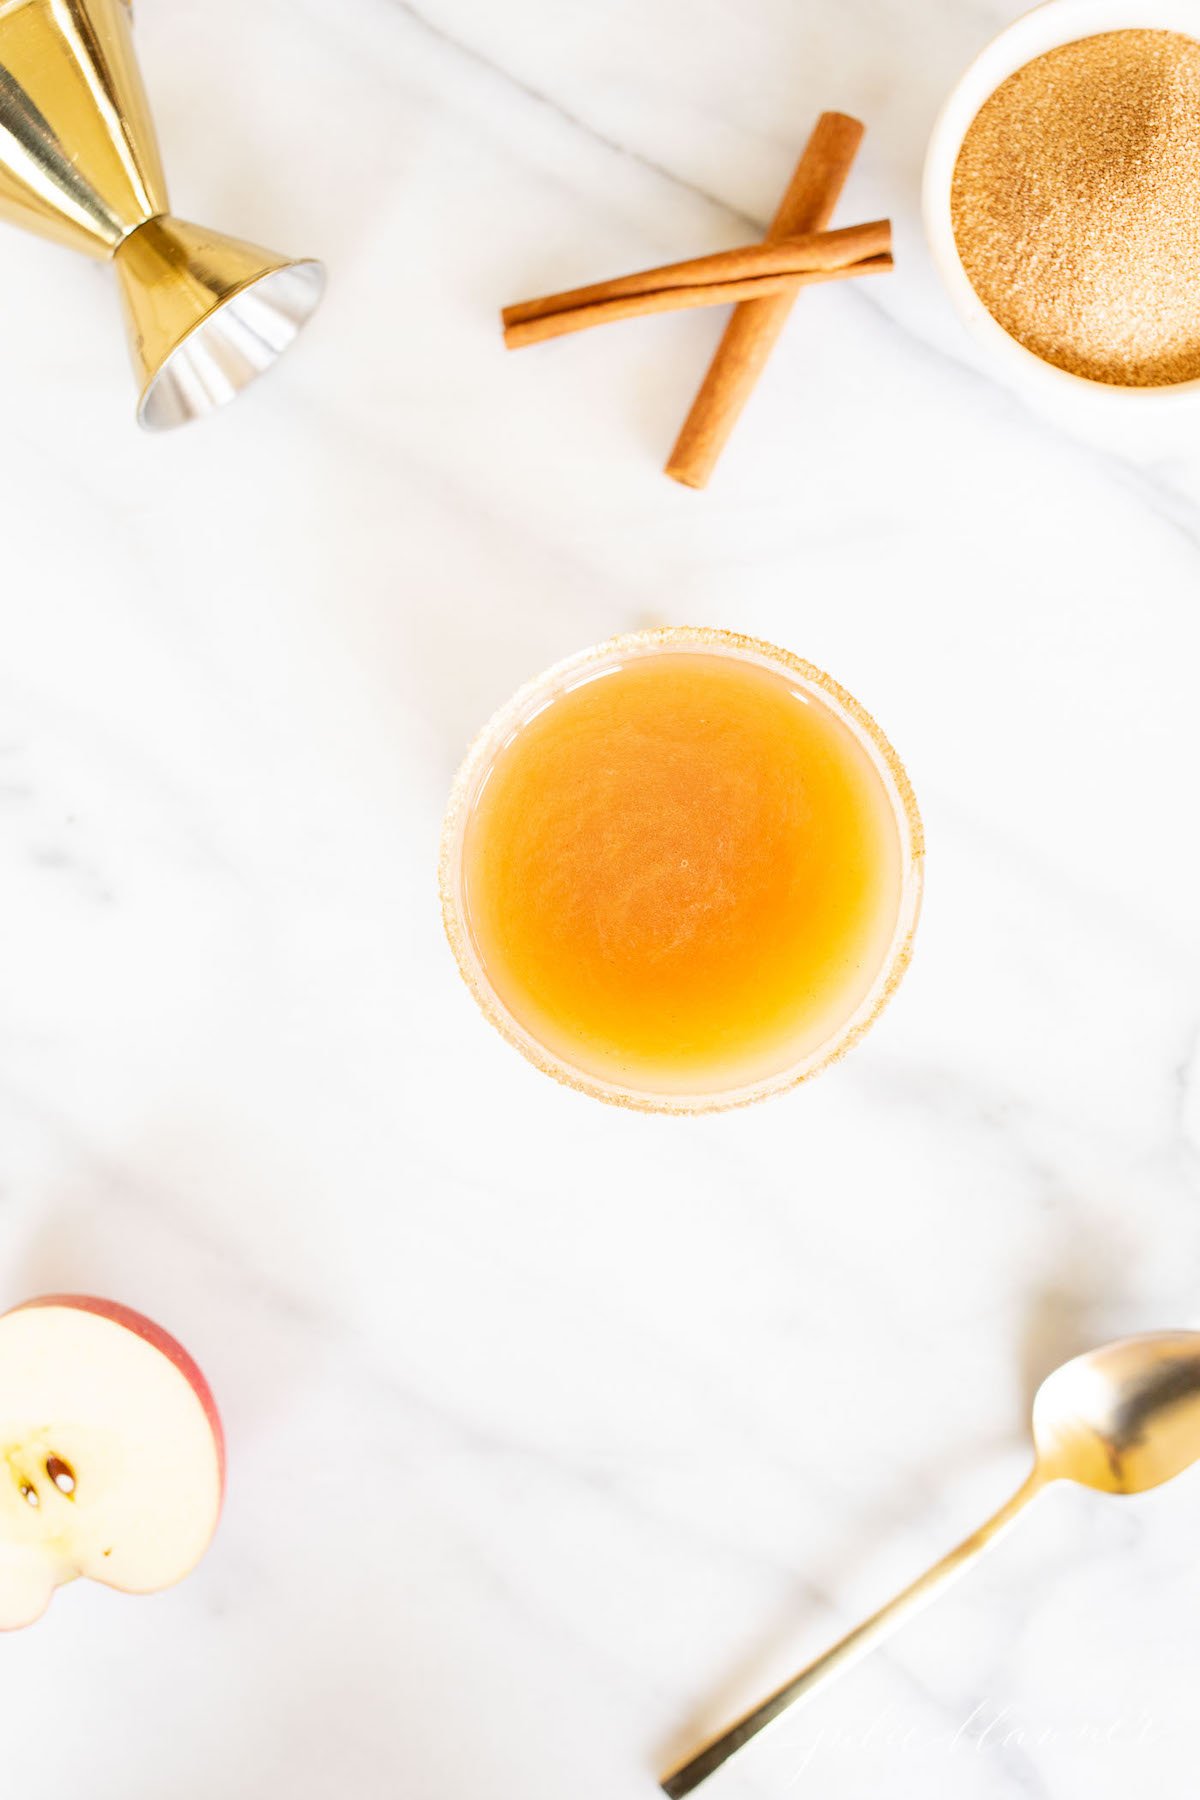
{"x": 532, "y": 699}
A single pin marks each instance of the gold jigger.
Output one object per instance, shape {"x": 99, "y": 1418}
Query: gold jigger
{"x": 79, "y": 162}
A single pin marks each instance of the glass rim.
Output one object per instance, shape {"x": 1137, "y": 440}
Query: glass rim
{"x": 517, "y": 711}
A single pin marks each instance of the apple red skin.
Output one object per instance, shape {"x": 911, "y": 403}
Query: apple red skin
{"x": 159, "y": 1339}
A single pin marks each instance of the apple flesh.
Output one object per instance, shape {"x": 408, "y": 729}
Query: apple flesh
{"x": 112, "y": 1457}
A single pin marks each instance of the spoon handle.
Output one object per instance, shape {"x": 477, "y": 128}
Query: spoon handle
{"x": 847, "y": 1650}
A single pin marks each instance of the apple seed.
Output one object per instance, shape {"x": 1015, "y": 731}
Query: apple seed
{"x": 61, "y": 1474}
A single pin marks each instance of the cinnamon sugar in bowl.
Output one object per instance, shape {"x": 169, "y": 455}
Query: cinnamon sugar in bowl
{"x": 1062, "y": 198}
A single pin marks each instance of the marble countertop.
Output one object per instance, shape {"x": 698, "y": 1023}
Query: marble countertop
{"x": 556, "y": 1432}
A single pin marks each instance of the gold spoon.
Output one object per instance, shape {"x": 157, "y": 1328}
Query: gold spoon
{"x": 1122, "y": 1419}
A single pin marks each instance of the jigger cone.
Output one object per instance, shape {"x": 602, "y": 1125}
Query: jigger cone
{"x": 79, "y": 162}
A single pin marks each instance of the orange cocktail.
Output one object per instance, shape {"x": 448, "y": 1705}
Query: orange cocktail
{"x": 682, "y": 870}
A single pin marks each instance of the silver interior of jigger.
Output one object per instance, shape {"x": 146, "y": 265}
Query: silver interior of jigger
{"x": 237, "y": 342}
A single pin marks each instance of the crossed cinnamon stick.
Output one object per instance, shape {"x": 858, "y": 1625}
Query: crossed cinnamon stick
{"x": 762, "y": 280}
{"x": 748, "y": 273}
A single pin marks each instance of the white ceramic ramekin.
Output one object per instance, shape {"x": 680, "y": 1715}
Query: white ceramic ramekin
{"x": 1054, "y": 23}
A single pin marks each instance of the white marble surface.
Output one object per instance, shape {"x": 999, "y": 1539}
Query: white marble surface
{"x": 557, "y": 1432}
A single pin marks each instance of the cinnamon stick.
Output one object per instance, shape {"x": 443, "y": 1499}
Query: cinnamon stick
{"x": 715, "y": 293}
{"x": 676, "y": 299}
{"x": 752, "y": 332}
{"x": 814, "y": 252}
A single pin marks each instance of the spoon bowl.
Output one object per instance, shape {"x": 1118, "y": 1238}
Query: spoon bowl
{"x": 1125, "y": 1418}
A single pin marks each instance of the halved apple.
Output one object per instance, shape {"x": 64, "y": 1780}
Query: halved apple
{"x": 112, "y": 1457}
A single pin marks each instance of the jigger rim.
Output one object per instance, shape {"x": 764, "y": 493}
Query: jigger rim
{"x": 200, "y": 402}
